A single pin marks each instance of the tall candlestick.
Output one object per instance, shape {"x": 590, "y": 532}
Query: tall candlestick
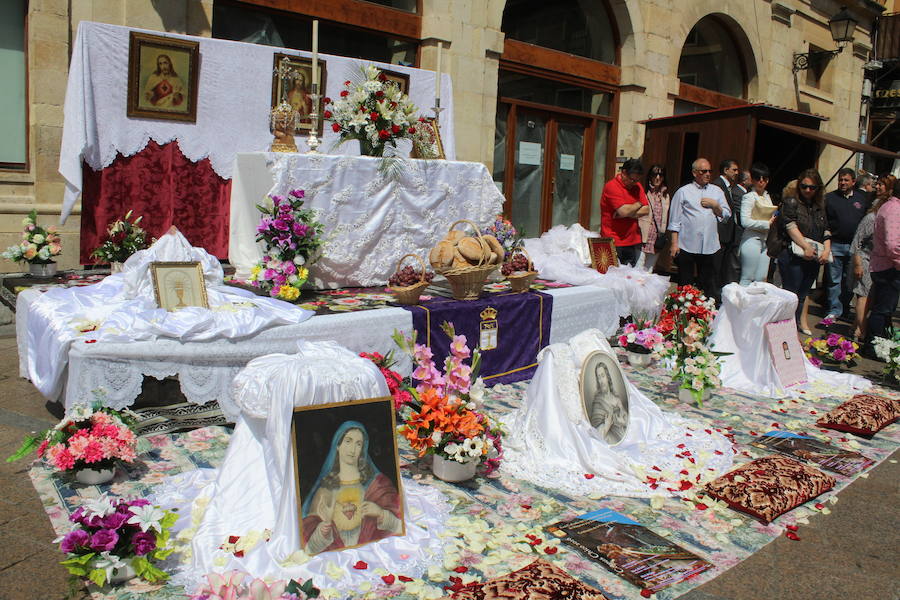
{"x": 437, "y": 77}
{"x": 315, "y": 52}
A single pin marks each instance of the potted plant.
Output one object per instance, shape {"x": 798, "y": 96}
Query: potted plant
{"x": 834, "y": 351}
{"x": 39, "y": 246}
{"x": 698, "y": 371}
{"x": 442, "y": 418}
{"x": 641, "y": 343}
{"x": 888, "y": 350}
{"x": 123, "y": 238}
{"x": 115, "y": 539}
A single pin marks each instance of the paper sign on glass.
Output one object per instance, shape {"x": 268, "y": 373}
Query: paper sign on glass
{"x": 787, "y": 354}
{"x": 566, "y": 162}
{"x": 529, "y": 153}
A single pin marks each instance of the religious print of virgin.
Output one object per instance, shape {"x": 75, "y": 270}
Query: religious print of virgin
{"x": 348, "y": 477}
{"x": 604, "y": 396}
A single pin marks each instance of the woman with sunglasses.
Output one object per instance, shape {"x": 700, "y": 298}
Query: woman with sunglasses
{"x": 757, "y": 215}
{"x": 653, "y": 224}
{"x": 802, "y": 222}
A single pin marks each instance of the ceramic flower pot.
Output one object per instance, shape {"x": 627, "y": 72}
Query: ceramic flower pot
{"x": 687, "y": 397}
{"x": 115, "y": 267}
{"x": 451, "y": 470}
{"x": 636, "y": 359}
{"x": 94, "y": 476}
{"x": 123, "y": 574}
{"x": 42, "y": 269}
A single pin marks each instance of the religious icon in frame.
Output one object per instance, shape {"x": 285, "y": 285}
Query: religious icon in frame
{"x": 348, "y": 475}
{"x": 427, "y": 140}
{"x": 604, "y": 395}
{"x": 162, "y": 77}
{"x": 292, "y": 83}
{"x": 603, "y": 254}
{"x": 178, "y": 285}
{"x": 401, "y": 79}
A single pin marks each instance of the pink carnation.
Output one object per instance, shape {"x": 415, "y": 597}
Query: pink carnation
{"x": 62, "y": 459}
{"x": 93, "y": 452}
{"x": 78, "y": 445}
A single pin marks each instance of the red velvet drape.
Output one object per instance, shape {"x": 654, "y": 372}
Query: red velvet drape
{"x": 167, "y": 189}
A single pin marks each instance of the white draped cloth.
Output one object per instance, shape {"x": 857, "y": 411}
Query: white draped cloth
{"x": 552, "y": 444}
{"x": 740, "y": 330}
{"x": 561, "y": 254}
{"x": 233, "y": 103}
{"x": 371, "y": 216}
{"x": 122, "y": 308}
{"x": 255, "y": 489}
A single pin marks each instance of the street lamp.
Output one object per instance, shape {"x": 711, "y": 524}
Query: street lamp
{"x": 842, "y": 26}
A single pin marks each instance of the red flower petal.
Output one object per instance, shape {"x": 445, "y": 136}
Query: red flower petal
{"x": 551, "y": 549}
{"x": 792, "y": 536}
{"x": 588, "y": 475}
{"x": 361, "y": 565}
{"x": 684, "y": 472}
{"x": 461, "y": 569}
{"x": 525, "y": 506}
{"x": 90, "y": 341}
{"x": 680, "y": 446}
{"x": 719, "y": 452}
{"x": 388, "y": 579}
{"x": 819, "y": 505}
{"x": 792, "y": 527}
{"x": 701, "y": 506}
{"x": 655, "y": 468}
{"x": 685, "y": 485}
{"x": 646, "y": 593}
{"x": 404, "y": 578}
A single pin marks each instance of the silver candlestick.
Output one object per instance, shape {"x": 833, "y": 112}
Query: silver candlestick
{"x": 312, "y": 140}
{"x": 437, "y": 108}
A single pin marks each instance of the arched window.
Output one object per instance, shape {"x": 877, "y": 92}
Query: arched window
{"x": 711, "y": 59}
{"x": 580, "y": 27}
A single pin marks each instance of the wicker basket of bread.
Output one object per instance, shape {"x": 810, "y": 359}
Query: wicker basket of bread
{"x": 466, "y": 260}
{"x": 407, "y": 284}
{"x": 519, "y": 270}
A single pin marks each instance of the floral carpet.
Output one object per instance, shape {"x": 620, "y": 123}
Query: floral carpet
{"x": 496, "y": 523}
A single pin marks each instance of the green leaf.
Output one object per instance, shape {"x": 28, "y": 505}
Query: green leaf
{"x": 168, "y": 521}
{"x": 77, "y": 570}
{"x": 29, "y": 444}
{"x": 79, "y": 560}
{"x": 98, "y": 576}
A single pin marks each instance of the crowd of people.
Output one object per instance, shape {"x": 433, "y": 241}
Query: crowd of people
{"x": 713, "y": 232}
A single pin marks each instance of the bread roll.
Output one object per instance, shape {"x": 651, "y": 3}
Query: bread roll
{"x": 471, "y": 248}
{"x": 496, "y": 247}
{"x": 442, "y": 255}
{"x": 455, "y": 235}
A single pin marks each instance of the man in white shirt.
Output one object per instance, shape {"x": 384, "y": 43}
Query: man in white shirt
{"x": 696, "y": 210}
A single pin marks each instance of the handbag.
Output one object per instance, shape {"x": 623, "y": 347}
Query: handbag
{"x": 774, "y": 241}
{"x": 818, "y": 248}
{"x": 662, "y": 238}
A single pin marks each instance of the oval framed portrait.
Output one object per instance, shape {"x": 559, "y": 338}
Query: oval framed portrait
{"x": 604, "y": 396}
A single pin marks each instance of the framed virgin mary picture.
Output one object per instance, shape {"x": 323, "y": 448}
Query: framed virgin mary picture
{"x": 427, "y": 140}
{"x": 604, "y": 396}
{"x": 292, "y": 79}
{"x": 162, "y": 77}
{"x": 603, "y": 254}
{"x": 347, "y": 474}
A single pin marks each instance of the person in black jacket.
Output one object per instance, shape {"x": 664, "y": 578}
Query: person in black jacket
{"x": 845, "y": 207}
{"x": 727, "y": 261}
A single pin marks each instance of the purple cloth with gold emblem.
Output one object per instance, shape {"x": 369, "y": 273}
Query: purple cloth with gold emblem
{"x": 522, "y": 330}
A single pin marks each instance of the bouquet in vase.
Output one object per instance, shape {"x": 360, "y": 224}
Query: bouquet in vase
{"x": 698, "y": 371}
{"x": 641, "y": 338}
{"x": 292, "y": 237}
{"x": 395, "y": 382}
{"x": 834, "y": 350}
{"x": 443, "y": 417}
{"x": 685, "y": 305}
{"x": 888, "y": 350}
{"x": 39, "y": 245}
{"x": 373, "y": 110}
{"x": 112, "y": 535}
{"x": 505, "y": 232}
{"x": 123, "y": 238}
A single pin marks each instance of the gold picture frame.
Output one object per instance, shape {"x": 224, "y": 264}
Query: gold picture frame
{"x": 355, "y": 439}
{"x": 401, "y": 79}
{"x": 427, "y": 140}
{"x": 292, "y": 83}
{"x": 604, "y": 396}
{"x": 603, "y": 254}
{"x": 178, "y": 285}
{"x": 162, "y": 77}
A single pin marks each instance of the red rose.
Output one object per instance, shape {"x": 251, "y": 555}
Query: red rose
{"x": 344, "y": 93}
{"x": 412, "y": 130}
{"x": 379, "y": 94}
{"x": 335, "y": 128}
{"x": 383, "y": 134}
{"x": 373, "y": 115}
{"x": 327, "y": 114}
{"x": 393, "y": 105}
{"x": 326, "y": 100}
{"x": 382, "y": 77}
{"x": 396, "y": 128}
{"x": 347, "y": 83}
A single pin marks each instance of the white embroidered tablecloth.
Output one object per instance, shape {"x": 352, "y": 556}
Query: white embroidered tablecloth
{"x": 233, "y": 103}
{"x": 373, "y": 212}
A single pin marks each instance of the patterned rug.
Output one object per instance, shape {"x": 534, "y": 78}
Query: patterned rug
{"x": 493, "y": 517}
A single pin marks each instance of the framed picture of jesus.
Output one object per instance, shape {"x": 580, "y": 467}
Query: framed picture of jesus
{"x": 162, "y": 77}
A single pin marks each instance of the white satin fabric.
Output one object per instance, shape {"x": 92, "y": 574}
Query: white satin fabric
{"x": 740, "y": 329}
{"x": 122, "y": 308}
{"x": 233, "y": 103}
{"x": 255, "y": 487}
{"x": 552, "y": 444}
{"x": 561, "y": 254}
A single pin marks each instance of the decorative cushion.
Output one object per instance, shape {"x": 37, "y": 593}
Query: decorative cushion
{"x": 770, "y": 486}
{"x": 864, "y": 414}
{"x": 538, "y": 581}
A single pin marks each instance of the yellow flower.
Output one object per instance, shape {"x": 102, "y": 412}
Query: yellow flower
{"x": 255, "y": 271}
{"x": 288, "y": 292}
{"x": 303, "y": 273}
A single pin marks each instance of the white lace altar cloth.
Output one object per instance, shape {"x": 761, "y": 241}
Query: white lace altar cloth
{"x": 371, "y": 216}
{"x": 562, "y": 254}
{"x": 740, "y": 329}
{"x": 551, "y": 442}
{"x": 233, "y": 103}
{"x": 255, "y": 488}
{"x": 206, "y": 369}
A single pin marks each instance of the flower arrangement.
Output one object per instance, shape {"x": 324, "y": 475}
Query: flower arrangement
{"x": 230, "y": 586}
{"x": 505, "y": 232}
{"x": 888, "y": 350}
{"x": 641, "y": 338}
{"x": 292, "y": 237}
{"x": 39, "y": 245}
{"x": 123, "y": 238}
{"x": 372, "y": 110}
{"x": 834, "y": 349}
{"x": 92, "y": 437}
{"x": 698, "y": 370}
{"x": 684, "y": 305}
{"x": 111, "y": 534}
{"x": 394, "y": 380}
{"x": 443, "y": 417}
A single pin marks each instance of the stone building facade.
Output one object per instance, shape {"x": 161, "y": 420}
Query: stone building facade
{"x": 628, "y": 65}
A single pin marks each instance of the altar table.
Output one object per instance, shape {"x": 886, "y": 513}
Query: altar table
{"x": 206, "y": 369}
{"x": 372, "y": 212}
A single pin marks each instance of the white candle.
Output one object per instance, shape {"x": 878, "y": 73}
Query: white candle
{"x": 437, "y": 76}
{"x": 315, "y": 52}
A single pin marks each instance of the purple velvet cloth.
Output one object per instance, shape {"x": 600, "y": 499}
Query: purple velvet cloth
{"x": 523, "y": 329}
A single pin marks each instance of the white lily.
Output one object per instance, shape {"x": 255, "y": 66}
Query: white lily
{"x": 98, "y": 507}
{"x": 147, "y": 517}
